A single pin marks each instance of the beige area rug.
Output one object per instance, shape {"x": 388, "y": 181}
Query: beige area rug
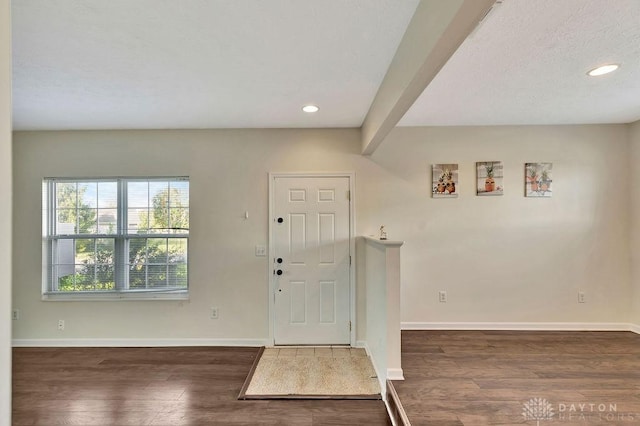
{"x": 312, "y": 373}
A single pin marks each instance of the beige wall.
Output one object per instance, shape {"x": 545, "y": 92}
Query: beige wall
{"x": 634, "y": 160}
{"x": 228, "y": 176}
{"x": 510, "y": 258}
{"x": 5, "y": 214}
{"x": 504, "y": 259}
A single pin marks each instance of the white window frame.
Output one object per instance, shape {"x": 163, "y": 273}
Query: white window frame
{"x": 121, "y": 239}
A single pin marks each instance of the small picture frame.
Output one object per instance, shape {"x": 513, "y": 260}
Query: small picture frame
{"x": 489, "y": 175}
{"x": 538, "y": 180}
{"x": 444, "y": 181}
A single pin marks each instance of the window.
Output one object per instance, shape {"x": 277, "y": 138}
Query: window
{"x": 116, "y": 237}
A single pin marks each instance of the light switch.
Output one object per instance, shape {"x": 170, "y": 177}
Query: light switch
{"x": 261, "y": 251}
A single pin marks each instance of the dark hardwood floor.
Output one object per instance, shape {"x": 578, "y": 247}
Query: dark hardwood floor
{"x": 159, "y": 386}
{"x": 476, "y": 378}
{"x": 452, "y": 378}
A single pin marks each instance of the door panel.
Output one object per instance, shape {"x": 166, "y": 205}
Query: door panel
{"x": 311, "y": 300}
{"x": 297, "y": 238}
{"x": 327, "y": 238}
{"x": 298, "y": 305}
{"x": 328, "y": 302}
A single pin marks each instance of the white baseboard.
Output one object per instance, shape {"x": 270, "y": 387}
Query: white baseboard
{"x": 635, "y": 328}
{"x": 524, "y": 326}
{"x": 391, "y": 417}
{"x": 132, "y": 343}
{"x": 362, "y": 344}
{"x": 395, "y": 374}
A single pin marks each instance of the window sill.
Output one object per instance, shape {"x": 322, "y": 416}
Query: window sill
{"x": 114, "y": 296}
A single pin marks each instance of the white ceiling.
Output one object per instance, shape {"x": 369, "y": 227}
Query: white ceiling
{"x": 527, "y": 64}
{"x": 123, "y": 64}
{"x": 97, "y": 64}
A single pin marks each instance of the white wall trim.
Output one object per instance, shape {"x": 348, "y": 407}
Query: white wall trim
{"x": 363, "y": 344}
{"x": 381, "y": 380}
{"x": 635, "y": 328}
{"x": 392, "y": 418}
{"x": 530, "y": 326}
{"x": 132, "y": 343}
{"x": 395, "y": 374}
{"x": 383, "y": 383}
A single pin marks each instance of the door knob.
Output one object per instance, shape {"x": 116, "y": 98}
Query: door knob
{"x": 279, "y": 260}
{"x": 280, "y": 220}
{"x": 279, "y": 272}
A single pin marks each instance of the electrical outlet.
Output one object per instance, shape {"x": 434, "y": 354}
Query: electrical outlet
{"x": 261, "y": 251}
{"x": 15, "y": 314}
{"x": 581, "y": 298}
{"x": 442, "y": 296}
{"x": 214, "y": 313}
{"x": 60, "y": 325}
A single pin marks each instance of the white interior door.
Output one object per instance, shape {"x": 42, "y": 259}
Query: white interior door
{"x": 311, "y": 260}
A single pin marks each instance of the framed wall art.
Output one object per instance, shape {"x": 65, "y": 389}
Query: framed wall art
{"x": 538, "y": 179}
{"x": 489, "y": 178}
{"x": 444, "y": 181}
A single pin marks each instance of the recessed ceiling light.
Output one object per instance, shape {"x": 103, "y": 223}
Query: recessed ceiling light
{"x": 605, "y": 69}
{"x": 310, "y": 108}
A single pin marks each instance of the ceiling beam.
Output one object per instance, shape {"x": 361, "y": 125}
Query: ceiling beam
{"x": 435, "y": 32}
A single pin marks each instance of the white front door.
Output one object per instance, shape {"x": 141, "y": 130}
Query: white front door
{"x": 311, "y": 260}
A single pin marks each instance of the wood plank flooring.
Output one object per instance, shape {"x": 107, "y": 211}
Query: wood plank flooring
{"x": 476, "y": 378}
{"x": 161, "y": 387}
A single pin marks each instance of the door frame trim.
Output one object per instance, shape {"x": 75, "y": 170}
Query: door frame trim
{"x": 352, "y": 244}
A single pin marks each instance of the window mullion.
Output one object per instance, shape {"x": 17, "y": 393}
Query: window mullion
{"x": 121, "y": 243}
{"x": 166, "y": 261}
{"x": 77, "y": 210}
{"x": 74, "y": 245}
{"x": 95, "y": 260}
{"x": 52, "y": 246}
{"x": 169, "y": 224}
{"x": 51, "y": 208}
{"x": 53, "y": 260}
{"x": 146, "y": 263}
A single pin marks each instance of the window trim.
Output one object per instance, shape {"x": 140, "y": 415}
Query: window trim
{"x": 121, "y": 239}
